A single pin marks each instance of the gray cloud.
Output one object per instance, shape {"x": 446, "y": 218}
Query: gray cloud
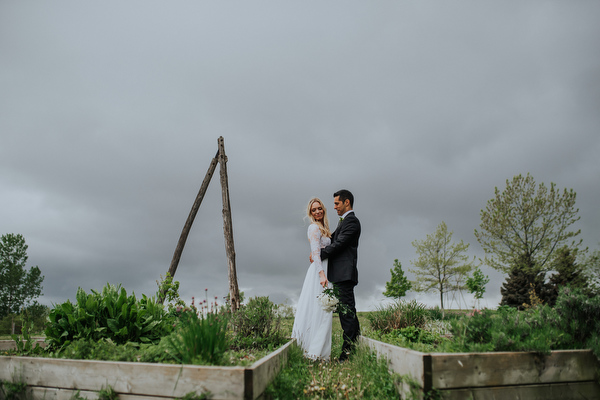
{"x": 110, "y": 116}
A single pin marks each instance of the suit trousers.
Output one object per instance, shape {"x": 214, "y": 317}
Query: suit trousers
{"x": 349, "y": 321}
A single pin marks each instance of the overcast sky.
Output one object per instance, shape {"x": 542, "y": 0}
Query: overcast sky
{"x": 110, "y": 114}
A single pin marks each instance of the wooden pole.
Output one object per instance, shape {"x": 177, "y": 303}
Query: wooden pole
{"x": 234, "y": 293}
{"x": 190, "y": 220}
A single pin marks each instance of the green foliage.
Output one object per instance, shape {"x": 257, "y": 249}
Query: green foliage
{"x": 109, "y": 314}
{"x": 108, "y": 393}
{"x": 591, "y": 270}
{"x": 168, "y": 290}
{"x": 567, "y": 273}
{"x": 12, "y": 390}
{"x": 525, "y": 221}
{"x": 199, "y": 339}
{"x": 524, "y": 283}
{"x": 399, "y": 284}
{"x": 25, "y": 344}
{"x": 579, "y": 317}
{"x": 441, "y": 265}
{"x": 574, "y": 323}
{"x": 18, "y": 287}
{"x": 398, "y": 315}
{"x": 364, "y": 376}
{"x": 195, "y": 396}
{"x": 257, "y": 324}
{"x": 476, "y": 283}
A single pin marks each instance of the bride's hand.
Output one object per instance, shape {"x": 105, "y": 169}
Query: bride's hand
{"x": 323, "y": 279}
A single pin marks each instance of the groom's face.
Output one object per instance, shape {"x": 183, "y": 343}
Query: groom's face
{"x": 341, "y": 207}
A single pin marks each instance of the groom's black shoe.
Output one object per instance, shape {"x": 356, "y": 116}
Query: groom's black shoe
{"x": 344, "y": 356}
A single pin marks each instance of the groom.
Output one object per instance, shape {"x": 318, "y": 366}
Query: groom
{"x": 341, "y": 268}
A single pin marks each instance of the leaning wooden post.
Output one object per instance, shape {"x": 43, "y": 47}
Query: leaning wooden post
{"x": 234, "y": 293}
{"x": 190, "y": 220}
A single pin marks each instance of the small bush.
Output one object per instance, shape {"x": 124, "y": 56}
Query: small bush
{"x": 257, "y": 324}
{"x": 399, "y": 315}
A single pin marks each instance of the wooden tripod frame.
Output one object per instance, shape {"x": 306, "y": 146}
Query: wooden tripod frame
{"x": 220, "y": 158}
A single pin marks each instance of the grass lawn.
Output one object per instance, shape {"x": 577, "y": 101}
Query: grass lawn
{"x": 361, "y": 377}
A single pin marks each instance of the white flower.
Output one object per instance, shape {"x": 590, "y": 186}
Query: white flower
{"x": 328, "y": 302}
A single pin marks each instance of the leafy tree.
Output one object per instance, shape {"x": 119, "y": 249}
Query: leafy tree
{"x": 18, "y": 287}
{"x": 399, "y": 284}
{"x": 591, "y": 270}
{"x": 476, "y": 284}
{"x": 525, "y": 221}
{"x": 440, "y": 262}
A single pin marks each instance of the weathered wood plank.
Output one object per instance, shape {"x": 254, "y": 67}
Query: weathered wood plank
{"x": 402, "y": 361}
{"x": 459, "y": 370}
{"x": 265, "y": 370}
{"x": 134, "y": 378}
{"x": 559, "y": 391}
{"x": 59, "y": 379}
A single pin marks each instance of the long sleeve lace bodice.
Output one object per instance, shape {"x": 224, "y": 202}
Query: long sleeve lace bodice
{"x": 317, "y": 242}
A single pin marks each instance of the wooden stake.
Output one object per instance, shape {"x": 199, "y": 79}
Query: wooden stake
{"x": 234, "y": 294}
{"x": 190, "y": 220}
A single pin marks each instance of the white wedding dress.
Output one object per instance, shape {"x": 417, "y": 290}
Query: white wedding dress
{"x": 312, "y": 325}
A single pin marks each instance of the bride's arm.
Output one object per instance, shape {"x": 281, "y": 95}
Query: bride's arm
{"x": 314, "y": 237}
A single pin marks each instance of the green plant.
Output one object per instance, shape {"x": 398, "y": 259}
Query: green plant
{"x": 256, "y": 324}
{"x": 399, "y": 284}
{"x": 110, "y": 314}
{"x": 195, "y": 396}
{"x": 580, "y": 317}
{"x": 12, "y": 390}
{"x": 24, "y": 343}
{"x": 199, "y": 339}
{"x": 168, "y": 290}
{"x": 398, "y": 315}
{"x": 108, "y": 393}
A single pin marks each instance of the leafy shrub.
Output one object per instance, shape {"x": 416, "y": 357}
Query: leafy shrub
{"x": 199, "y": 339}
{"x": 399, "y": 315}
{"x": 508, "y": 329}
{"x": 257, "y": 324}
{"x": 110, "y": 314}
{"x": 580, "y": 317}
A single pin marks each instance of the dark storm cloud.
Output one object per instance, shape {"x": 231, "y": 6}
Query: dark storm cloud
{"x": 110, "y": 115}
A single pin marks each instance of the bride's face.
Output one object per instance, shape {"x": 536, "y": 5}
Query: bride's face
{"x": 316, "y": 210}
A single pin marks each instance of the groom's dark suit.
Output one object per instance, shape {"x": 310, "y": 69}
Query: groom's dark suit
{"x": 342, "y": 254}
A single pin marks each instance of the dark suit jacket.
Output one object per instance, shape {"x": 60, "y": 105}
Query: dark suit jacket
{"x": 342, "y": 253}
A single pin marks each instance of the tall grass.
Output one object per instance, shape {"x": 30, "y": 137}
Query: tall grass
{"x": 363, "y": 376}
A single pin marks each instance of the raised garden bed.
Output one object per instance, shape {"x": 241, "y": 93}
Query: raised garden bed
{"x": 60, "y": 379}
{"x": 561, "y": 375}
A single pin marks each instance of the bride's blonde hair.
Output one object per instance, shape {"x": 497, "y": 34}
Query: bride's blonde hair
{"x": 323, "y": 227}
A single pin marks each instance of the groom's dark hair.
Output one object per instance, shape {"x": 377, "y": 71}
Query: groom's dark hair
{"x": 345, "y": 195}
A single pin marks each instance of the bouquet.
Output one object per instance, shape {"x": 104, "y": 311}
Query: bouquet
{"x": 330, "y": 301}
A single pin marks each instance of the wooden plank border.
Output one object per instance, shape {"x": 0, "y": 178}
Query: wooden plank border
{"x": 50, "y": 378}
{"x": 504, "y": 374}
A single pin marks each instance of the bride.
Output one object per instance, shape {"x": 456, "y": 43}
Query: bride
{"x": 312, "y": 325}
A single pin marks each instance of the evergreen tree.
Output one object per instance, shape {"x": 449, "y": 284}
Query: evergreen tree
{"x": 525, "y": 283}
{"x": 399, "y": 284}
{"x": 568, "y": 273}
